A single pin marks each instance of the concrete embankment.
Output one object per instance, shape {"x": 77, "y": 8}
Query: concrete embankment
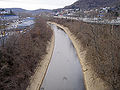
{"x": 37, "y": 79}
{"x": 64, "y": 71}
{"x": 92, "y": 82}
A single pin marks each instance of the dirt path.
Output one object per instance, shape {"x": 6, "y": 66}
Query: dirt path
{"x": 37, "y": 78}
{"x": 92, "y": 82}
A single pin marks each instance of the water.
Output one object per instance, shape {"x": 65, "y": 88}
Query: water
{"x": 64, "y": 71}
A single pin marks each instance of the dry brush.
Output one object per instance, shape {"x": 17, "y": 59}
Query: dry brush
{"x": 20, "y": 55}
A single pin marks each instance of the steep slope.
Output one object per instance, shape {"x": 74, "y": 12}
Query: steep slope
{"x": 89, "y": 4}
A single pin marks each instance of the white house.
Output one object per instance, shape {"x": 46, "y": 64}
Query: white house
{"x": 3, "y": 11}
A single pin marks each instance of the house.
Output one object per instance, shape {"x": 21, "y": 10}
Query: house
{"x": 7, "y": 15}
{"x": 3, "y": 12}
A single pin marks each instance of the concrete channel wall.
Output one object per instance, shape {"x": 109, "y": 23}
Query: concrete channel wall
{"x": 91, "y": 81}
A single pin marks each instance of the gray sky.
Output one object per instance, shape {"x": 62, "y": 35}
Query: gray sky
{"x": 35, "y": 4}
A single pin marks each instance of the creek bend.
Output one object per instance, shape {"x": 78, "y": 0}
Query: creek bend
{"x": 64, "y": 71}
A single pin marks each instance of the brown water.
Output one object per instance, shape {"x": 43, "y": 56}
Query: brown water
{"x": 64, "y": 71}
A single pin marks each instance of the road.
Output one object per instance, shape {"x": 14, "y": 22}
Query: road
{"x": 93, "y": 20}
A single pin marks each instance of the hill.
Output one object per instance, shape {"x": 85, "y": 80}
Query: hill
{"x": 20, "y": 10}
{"x": 90, "y": 4}
{"x": 16, "y": 10}
{"x": 39, "y": 11}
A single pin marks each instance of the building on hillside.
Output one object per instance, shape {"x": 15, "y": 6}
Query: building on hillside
{"x": 7, "y": 15}
{"x": 4, "y": 12}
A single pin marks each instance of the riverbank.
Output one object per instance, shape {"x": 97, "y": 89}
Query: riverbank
{"x": 37, "y": 78}
{"x": 92, "y": 82}
{"x": 22, "y": 53}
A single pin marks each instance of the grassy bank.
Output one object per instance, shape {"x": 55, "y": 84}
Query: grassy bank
{"x": 102, "y": 46}
{"x": 20, "y": 55}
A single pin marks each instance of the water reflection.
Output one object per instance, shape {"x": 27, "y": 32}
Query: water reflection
{"x": 64, "y": 72}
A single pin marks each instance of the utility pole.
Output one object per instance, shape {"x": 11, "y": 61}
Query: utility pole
{"x": 79, "y": 8}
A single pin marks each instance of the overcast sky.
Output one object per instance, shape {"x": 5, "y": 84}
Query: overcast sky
{"x": 35, "y": 4}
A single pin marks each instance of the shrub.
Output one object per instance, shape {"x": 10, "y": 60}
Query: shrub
{"x": 20, "y": 55}
{"x": 102, "y": 43}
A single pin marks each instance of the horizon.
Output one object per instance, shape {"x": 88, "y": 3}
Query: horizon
{"x": 36, "y": 4}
